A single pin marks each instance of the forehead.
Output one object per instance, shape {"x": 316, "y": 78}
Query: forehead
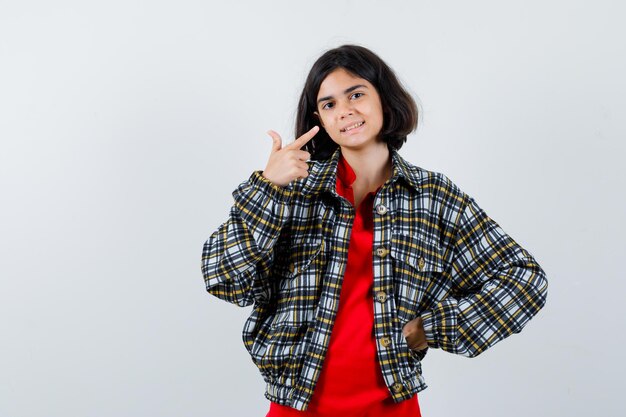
{"x": 338, "y": 80}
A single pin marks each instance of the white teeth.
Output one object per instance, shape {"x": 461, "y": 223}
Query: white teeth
{"x": 353, "y": 126}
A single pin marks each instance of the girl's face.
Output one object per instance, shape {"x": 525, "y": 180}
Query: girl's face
{"x": 349, "y": 109}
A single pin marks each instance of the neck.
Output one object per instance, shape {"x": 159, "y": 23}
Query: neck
{"x": 372, "y": 166}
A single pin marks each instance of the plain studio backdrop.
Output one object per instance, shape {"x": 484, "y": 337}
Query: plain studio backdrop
{"x": 126, "y": 125}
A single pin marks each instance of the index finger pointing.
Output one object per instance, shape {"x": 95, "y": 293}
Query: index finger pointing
{"x": 302, "y": 140}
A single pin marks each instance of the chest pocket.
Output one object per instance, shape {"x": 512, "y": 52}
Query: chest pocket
{"x": 302, "y": 255}
{"x": 417, "y": 269}
{"x": 299, "y": 282}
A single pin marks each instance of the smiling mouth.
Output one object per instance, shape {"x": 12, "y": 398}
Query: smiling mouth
{"x": 354, "y": 126}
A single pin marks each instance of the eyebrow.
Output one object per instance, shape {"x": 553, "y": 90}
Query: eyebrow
{"x": 346, "y": 91}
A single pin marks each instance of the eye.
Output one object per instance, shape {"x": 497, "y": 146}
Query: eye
{"x": 325, "y": 106}
{"x": 357, "y": 94}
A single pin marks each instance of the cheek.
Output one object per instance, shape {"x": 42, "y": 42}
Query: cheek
{"x": 378, "y": 111}
{"x": 375, "y": 113}
{"x": 327, "y": 123}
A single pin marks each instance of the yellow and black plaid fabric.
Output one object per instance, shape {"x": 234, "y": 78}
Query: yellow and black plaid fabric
{"x": 436, "y": 254}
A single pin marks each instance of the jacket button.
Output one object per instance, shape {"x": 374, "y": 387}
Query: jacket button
{"x": 382, "y": 251}
{"x": 397, "y": 387}
{"x": 420, "y": 263}
{"x": 381, "y": 209}
{"x": 381, "y": 296}
{"x": 385, "y": 341}
{"x": 291, "y": 268}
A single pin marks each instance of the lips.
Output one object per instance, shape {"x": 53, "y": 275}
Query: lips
{"x": 352, "y": 126}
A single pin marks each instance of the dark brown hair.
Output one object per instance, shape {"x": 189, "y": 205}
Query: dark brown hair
{"x": 400, "y": 112}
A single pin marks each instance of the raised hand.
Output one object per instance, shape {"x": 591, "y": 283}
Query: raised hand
{"x": 288, "y": 163}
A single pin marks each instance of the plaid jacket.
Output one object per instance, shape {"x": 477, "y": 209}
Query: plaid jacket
{"x": 436, "y": 254}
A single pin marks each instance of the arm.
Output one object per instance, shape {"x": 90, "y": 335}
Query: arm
{"x": 497, "y": 287}
{"x": 236, "y": 258}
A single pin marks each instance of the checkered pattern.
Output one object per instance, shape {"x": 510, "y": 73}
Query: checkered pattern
{"x": 436, "y": 254}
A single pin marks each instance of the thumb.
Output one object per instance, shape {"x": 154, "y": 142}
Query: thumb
{"x": 276, "y": 141}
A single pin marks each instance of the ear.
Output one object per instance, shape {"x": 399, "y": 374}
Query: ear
{"x": 319, "y": 118}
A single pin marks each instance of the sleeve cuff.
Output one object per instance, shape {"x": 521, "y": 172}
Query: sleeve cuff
{"x": 276, "y": 192}
{"x": 428, "y": 321}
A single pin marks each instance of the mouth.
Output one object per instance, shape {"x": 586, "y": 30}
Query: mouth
{"x": 352, "y": 127}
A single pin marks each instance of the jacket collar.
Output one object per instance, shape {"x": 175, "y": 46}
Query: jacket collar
{"x": 323, "y": 174}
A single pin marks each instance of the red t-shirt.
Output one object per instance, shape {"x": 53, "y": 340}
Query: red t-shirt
{"x": 351, "y": 378}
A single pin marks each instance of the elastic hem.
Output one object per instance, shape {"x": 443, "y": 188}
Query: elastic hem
{"x": 289, "y": 396}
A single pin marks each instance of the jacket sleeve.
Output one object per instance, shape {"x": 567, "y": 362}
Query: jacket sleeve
{"x": 497, "y": 287}
{"x": 237, "y": 257}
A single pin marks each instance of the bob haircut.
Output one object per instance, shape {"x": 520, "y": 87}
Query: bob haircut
{"x": 400, "y": 112}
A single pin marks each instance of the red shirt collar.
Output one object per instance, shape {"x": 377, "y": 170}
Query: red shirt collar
{"x": 345, "y": 173}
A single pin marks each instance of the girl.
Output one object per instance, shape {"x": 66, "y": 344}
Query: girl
{"x": 356, "y": 261}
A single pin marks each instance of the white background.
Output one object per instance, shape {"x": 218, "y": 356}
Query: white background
{"x": 126, "y": 125}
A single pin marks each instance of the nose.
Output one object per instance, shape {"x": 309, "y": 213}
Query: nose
{"x": 345, "y": 109}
